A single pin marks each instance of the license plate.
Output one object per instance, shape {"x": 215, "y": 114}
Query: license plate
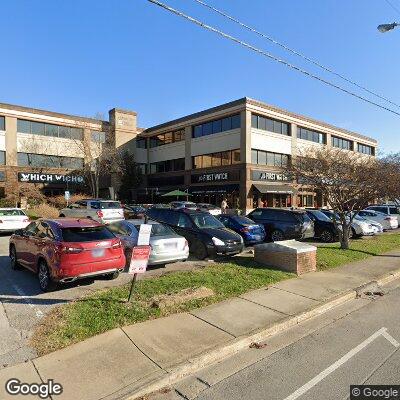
{"x": 170, "y": 245}
{"x": 98, "y": 252}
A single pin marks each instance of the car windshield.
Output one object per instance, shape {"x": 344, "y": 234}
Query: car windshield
{"x": 110, "y": 204}
{"x": 159, "y": 230}
{"x": 243, "y": 220}
{"x": 204, "y": 221}
{"x": 7, "y": 213}
{"x": 86, "y": 234}
{"x": 319, "y": 215}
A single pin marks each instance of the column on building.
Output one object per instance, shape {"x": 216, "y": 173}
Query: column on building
{"x": 246, "y": 200}
{"x": 11, "y": 148}
{"x": 294, "y": 150}
{"x": 123, "y": 129}
{"x": 188, "y": 155}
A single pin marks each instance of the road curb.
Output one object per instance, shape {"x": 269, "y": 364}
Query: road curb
{"x": 216, "y": 355}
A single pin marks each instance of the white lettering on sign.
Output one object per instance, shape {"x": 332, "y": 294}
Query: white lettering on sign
{"x": 271, "y": 176}
{"x": 48, "y": 178}
{"x": 217, "y": 176}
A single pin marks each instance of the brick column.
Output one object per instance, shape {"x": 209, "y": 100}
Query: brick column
{"x": 11, "y": 141}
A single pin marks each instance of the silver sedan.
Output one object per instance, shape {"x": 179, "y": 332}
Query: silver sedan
{"x": 166, "y": 245}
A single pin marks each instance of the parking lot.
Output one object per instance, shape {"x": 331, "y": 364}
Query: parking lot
{"x": 22, "y": 304}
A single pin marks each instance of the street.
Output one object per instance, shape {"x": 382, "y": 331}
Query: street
{"x": 319, "y": 359}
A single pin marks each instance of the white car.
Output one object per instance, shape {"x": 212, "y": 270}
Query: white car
{"x": 213, "y": 210}
{"x": 103, "y": 211}
{"x": 387, "y": 221}
{"x": 362, "y": 227}
{"x": 12, "y": 219}
{"x": 177, "y": 205}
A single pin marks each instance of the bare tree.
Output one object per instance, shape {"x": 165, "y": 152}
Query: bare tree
{"x": 347, "y": 180}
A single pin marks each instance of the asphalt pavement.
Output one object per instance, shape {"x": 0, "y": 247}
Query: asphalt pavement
{"x": 23, "y": 304}
{"x": 320, "y": 359}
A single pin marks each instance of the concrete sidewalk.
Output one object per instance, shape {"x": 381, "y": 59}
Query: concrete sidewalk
{"x": 148, "y": 355}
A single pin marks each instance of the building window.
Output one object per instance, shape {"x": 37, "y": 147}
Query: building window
{"x": 142, "y": 168}
{"x": 2, "y": 179}
{"x": 141, "y": 143}
{"x": 39, "y": 128}
{"x": 2, "y": 123}
{"x": 365, "y": 149}
{"x": 217, "y": 126}
{"x": 216, "y": 159}
{"x": 168, "y": 166}
{"x": 260, "y": 157}
{"x": 312, "y": 136}
{"x": 167, "y": 138}
{"x": 342, "y": 143}
{"x": 2, "y": 158}
{"x": 99, "y": 137}
{"x": 44, "y": 160}
{"x": 269, "y": 124}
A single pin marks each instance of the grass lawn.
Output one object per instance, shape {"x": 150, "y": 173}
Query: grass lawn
{"x": 107, "y": 309}
{"x": 180, "y": 291}
{"x": 330, "y": 256}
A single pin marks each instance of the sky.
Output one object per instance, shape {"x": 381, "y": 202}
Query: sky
{"x": 86, "y": 57}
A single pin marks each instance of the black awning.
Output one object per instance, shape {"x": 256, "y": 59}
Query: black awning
{"x": 265, "y": 188}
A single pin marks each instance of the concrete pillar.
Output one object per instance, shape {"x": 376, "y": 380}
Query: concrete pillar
{"x": 245, "y": 137}
{"x": 11, "y": 141}
{"x": 188, "y": 155}
{"x": 328, "y": 140}
{"x": 123, "y": 126}
{"x": 294, "y": 150}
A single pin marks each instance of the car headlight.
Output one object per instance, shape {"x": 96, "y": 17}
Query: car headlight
{"x": 218, "y": 242}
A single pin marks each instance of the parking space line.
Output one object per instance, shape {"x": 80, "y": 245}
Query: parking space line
{"x": 310, "y": 384}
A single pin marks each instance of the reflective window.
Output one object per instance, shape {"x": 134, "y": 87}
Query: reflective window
{"x": 39, "y": 128}
{"x": 267, "y": 158}
{"x": 2, "y": 158}
{"x": 363, "y": 148}
{"x": 99, "y": 137}
{"x": 216, "y": 159}
{"x": 217, "y": 126}
{"x": 167, "y": 138}
{"x": 312, "y": 136}
{"x": 168, "y": 165}
{"x": 342, "y": 143}
{"x": 269, "y": 124}
{"x": 42, "y": 160}
{"x": 2, "y": 123}
{"x": 141, "y": 143}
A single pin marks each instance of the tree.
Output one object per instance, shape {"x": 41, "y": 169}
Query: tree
{"x": 347, "y": 180}
{"x": 129, "y": 174}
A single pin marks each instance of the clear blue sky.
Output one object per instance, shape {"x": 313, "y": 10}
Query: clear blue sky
{"x": 85, "y": 57}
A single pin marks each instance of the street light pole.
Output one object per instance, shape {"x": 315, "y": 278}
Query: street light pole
{"x": 383, "y": 28}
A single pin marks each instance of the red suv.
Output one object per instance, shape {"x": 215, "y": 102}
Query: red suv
{"x": 67, "y": 249}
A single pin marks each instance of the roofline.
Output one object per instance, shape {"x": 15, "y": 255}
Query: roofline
{"x": 247, "y": 100}
{"x": 12, "y": 107}
{"x": 197, "y": 114}
{"x": 308, "y": 119}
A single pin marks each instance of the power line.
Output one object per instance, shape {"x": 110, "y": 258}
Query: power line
{"x": 263, "y": 35}
{"x": 268, "y": 55}
{"x": 393, "y": 6}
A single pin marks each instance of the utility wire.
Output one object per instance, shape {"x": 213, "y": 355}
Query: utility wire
{"x": 266, "y": 54}
{"x": 393, "y": 6}
{"x": 263, "y": 35}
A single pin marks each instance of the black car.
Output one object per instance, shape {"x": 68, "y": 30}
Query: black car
{"x": 282, "y": 224}
{"x": 207, "y": 237}
{"x": 324, "y": 228}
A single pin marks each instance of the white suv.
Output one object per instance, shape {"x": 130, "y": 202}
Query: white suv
{"x": 388, "y": 209}
{"x": 103, "y": 211}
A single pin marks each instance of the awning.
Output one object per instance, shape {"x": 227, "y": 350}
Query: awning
{"x": 265, "y": 188}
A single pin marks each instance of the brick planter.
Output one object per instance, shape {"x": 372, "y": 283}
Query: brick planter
{"x": 287, "y": 255}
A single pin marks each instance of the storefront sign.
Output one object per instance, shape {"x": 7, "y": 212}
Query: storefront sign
{"x": 33, "y": 177}
{"x": 268, "y": 176}
{"x": 139, "y": 260}
{"x": 216, "y": 177}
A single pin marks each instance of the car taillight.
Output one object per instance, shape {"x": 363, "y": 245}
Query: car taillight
{"x": 72, "y": 250}
{"x": 186, "y": 244}
{"x": 99, "y": 214}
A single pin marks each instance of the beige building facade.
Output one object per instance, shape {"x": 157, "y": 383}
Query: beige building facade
{"x": 236, "y": 151}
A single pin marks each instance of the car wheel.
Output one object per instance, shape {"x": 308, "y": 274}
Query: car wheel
{"x": 327, "y": 236}
{"x": 112, "y": 276}
{"x": 62, "y": 216}
{"x": 276, "y": 236}
{"x": 45, "y": 282}
{"x": 353, "y": 234}
{"x": 200, "y": 251}
{"x": 13, "y": 259}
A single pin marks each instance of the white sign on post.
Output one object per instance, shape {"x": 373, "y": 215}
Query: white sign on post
{"x": 144, "y": 235}
{"x": 67, "y": 195}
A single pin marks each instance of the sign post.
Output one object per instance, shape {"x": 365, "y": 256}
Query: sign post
{"x": 140, "y": 256}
